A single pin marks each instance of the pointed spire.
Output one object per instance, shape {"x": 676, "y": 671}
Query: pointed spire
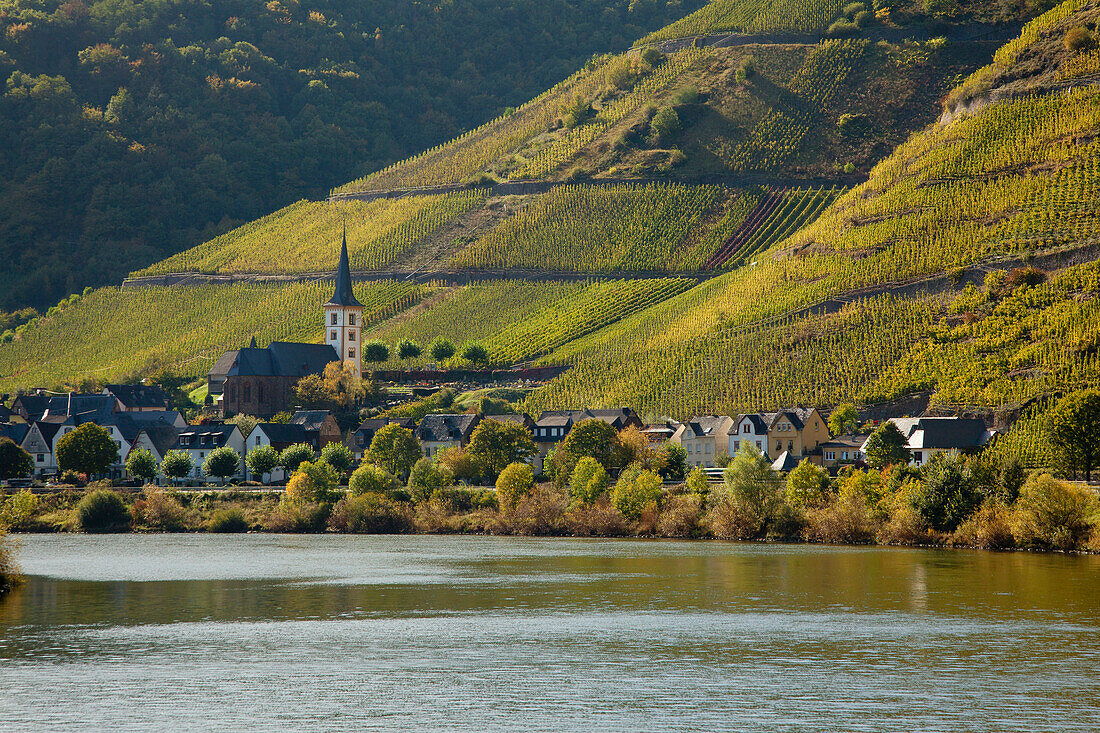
{"x": 253, "y": 344}
{"x": 343, "y": 294}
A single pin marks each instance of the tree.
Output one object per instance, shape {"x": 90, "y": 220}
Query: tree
{"x": 407, "y": 349}
{"x": 88, "y": 449}
{"x": 633, "y": 446}
{"x": 141, "y": 464}
{"x": 426, "y": 478}
{"x": 665, "y": 124}
{"x": 221, "y": 462}
{"x": 1052, "y": 513}
{"x": 752, "y": 488}
{"x": 635, "y": 490}
{"x": 462, "y": 465}
{"x": 1074, "y": 431}
{"x": 176, "y": 464}
{"x": 375, "y": 352}
{"x": 370, "y": 479}
{"x": 295, "y": 455}
{"x": 697, "y": 482}
{"x": 675, "y": 462}
{"x": 395, "y": 449}
{"x": 262, "y": 460}
{"x": 313, "y": 482}
{"x": 339, "y": 388}
{"x": 441, "y": 349}
{"x": 948, "y": 494}
{"x": 245, "y": 423}
{"x": 886, "y": 447}
{"x": 475, "y": 353}
{"x": 588, "y": 482}
{"x": 514, "y": 483}
{"x": 496, "y": 444}
{"x": 807, "y": 485}
{"x": 593, "y": 438}
{"x": 14, "y": 461}
{"x": 339, "y": 456}
{"x": 843, "y": 419}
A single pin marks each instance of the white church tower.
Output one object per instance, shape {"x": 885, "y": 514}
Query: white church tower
{"x": 344, "y": 315}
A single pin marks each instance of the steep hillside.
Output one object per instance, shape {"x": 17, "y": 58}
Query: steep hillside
{"x": 135, "y": 130}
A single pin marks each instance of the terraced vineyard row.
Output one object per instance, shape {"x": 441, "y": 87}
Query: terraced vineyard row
{"x": 752, "y": 16}
{"x": 561, "y": 151}
{"x": 111, "y": 333}
{"x": 601, "y": 229}
{"x": 777, "y": 215}
{"x": 305, "y": 236}
{"x": 518, "y": 320}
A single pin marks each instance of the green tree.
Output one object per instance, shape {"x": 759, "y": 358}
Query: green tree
{"x": 295, "y": 455}
{"x": 1051, "y": 513}
{"x": 262, "y": 460}
{"x": 497, "y": 444}
{"x": 370, "y": 479}
{"x": 886, "y": 446}
{"x": 14, "y": 461}
{"x": 665, "y": 124}
{"x": 313, "y": 482}
{"x": 475, "y": 353}
{"x": 88, "y": 449}
{"x": 141, "y": 464}
{"x": 675, "y": 462}
{"x": 635, "y": 490}
{"x": 752, "y": 488}
{"x": 843, "y": 419}
{"x": 588, "y": 482}
{"x": 948, "y": 494}
{"x": 375, "y": 352}
{"x": 395, "y": 449}
{"x": 339, "y": 456}
{"x": 697, "y": 482}
{"x": 1074, "y": 432}
{"x": 593, "y": 438}
{"x": 176, "y": 464}
{"x": 407, "y": 349}
{"x": 221, "y": 462}
{"x": 426, "y": 478}
{"x": 514, "y": 483}
{"x": 807, "y": 485}
{"x": 441, "y": 349}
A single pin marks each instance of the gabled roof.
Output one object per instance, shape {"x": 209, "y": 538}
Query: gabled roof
{"x": 279, "y": 359}
{"x": 785, "y": 462}
{"x": 311, "y": 420}
{"x": 205, "y": 436}
{"x": 344, "y": 295}
{"x": 48, "y": 428}
{"x": 759, "y": 423}
{"x": 138, "y": 396}
{"x": 225, "y": 362}
{"x": 32, "y": 404}
{"x": 443, "y": 428}
{"x": 845, "y": 441}
{"x": 706, "y": 424}
{"x": 289, "y": 433}
{"x": 943, "y": 433}
{"x": 98, "y": 405}
{"x": 163, "y": 437}
{"x": 618, "y": 417}
{"x": 14, "y": 431}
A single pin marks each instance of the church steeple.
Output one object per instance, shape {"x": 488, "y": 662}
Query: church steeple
{"x": 344, "y": 295}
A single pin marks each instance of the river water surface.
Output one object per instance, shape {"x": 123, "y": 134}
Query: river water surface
{"x": 268, "y": 632}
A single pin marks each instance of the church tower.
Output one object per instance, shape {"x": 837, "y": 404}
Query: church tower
{"x": 344, "y": 315}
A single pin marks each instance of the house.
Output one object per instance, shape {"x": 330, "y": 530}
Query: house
{"x": 344, "y": 315}
{"x": 704, "y": 438}
{"x": 279, "y": 436}
{"x": 15, "y": 432}
{"x": 138, "y": 397}
{"x": 320, "y": 426}
{"x": 199, "y": 440}
{"x": 927, "y": 436}
{"x": 360, "y": 439}
{"x": 34, "y": 407}
{"x": 751, "y": 428}
{"x": 553, "y": 425}
{"x": 842, "y": 450}
{"x": 254, "y": 381}
{"x": 660, "y": 433}
{"x": 40, "y": 442}
{"x": 440, "y": 432}
{"x": 157, "y": 439}
{"x": 798, "y": 431}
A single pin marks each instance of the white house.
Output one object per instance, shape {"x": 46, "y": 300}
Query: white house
{"x": 927, "y": 436}
{"x": 751, "y": 428}
{"x": 199, "y": 440}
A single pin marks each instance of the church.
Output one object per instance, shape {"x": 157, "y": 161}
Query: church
{"x": 260, "y": 381}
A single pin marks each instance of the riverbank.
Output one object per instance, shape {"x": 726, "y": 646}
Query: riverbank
{"x": 1047, "y": 515}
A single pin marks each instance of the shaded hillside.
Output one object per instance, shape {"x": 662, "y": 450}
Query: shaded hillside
{"x": 135, "y": 130}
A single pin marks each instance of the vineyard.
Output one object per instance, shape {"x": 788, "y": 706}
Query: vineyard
{"x": 518, "y": 320}
{"x": 305, "y": 237}
{"x": 111, "y": 333}
{"x": 603, "y": 229}
{"x": 752, "y": 16}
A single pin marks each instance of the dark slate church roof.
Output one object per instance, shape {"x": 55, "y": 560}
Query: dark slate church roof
{"x": 279, "y": 359}
{"x": 344, "y": 295}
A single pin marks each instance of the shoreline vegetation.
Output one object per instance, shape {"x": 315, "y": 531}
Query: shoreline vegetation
{"x": 897, "y": 506}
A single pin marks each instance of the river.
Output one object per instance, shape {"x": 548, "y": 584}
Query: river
{"x": 424, "y": 633}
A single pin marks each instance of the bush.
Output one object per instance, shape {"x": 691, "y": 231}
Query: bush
{"x": 426, "y": 478}
{"x": 588, "y": 482}
{"x": 697, "y": 482}
{"x": 297, "y": 517}
{"x": 841, "y": 28}
{"x": 19, "y": 510}
{"x": 599, "y": 519}
{"x": 159, "y": 511}
{"x": 687, "y": 94}
{"x": 370, "y": 479}
{"x": 863, "y": 18}
{"x": 680, "y": 516}
{"x": 1079, "y": 39}
{"x": 227, "y": 521}
{"x": 541, "y": 512}
{"x": 514, "y": 483}
{"x": 635, "y": 491}
{"x": 989, "y": 529}
{"x": 1053, "y": 514}
{"x": 652, "y": 57}
{"x": 845, "y": 520}
{"x": 102, "y": 511}
{"x": 851, "y": 9}
{"x": 370, "y": 514}
{"x": 1024, "y": 276}
{"x": 665, "y": 124}
{"x": 72, "y": 478}
{"x": 313, "y": 483}
{"x": 948, "y": 495}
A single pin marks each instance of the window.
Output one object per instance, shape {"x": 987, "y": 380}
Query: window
{"x": 332, "y": 336}
{"x": 246, "y": 392}
{"x": 257, "y": 440}
{"x": 790, "y": 445}
{"x": 707, "y": 449}
{"x": 830, "y": 455}
{"x": 779, "y": 445}
{"x": 917, "y": 457}
{"x": 351, "y": 335}
{"x": 334, "y": 321}
{"x": 41, "y": 457}
{"x": 232, "y": 390}
{"x": 351, "y": 353}
{"x": 844, "y": 455}
{"x": 351, "y": 319}
{"x": 758, "y": 446}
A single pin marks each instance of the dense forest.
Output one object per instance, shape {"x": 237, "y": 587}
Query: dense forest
{"x": 132, "y": 130}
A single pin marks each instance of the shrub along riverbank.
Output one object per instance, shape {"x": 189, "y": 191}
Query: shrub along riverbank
{"x": 955, "y": 501}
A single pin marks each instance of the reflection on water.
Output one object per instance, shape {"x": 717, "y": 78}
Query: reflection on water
{"x": 468, "y": 633}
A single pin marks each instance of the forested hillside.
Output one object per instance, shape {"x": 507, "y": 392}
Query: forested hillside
{"x": 134, "y": 130}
